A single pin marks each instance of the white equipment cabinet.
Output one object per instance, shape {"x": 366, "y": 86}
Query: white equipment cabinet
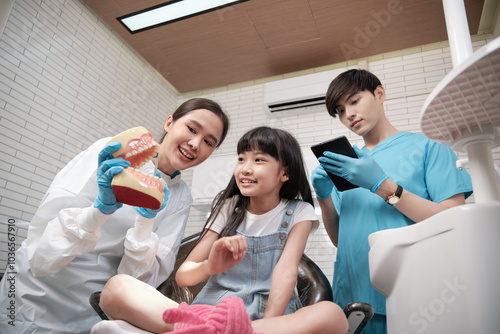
{"x": 442, "y": 275}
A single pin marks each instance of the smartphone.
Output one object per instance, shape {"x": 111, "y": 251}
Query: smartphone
{"x": 358, "y": 315}
{"x": 338, "y": 145}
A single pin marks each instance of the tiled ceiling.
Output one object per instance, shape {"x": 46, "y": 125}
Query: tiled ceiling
{"x": 263, "y": 38}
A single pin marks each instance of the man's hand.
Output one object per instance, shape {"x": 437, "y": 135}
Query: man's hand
{"x": 321, "y": 182}
{"x": 364, "y": 171}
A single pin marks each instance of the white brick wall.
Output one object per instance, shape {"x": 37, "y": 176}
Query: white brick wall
{"x": 66, "y": 80}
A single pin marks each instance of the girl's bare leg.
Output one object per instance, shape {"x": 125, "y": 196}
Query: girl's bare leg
{"x": 126, "y": 298}
{"x": 323, "y": 317}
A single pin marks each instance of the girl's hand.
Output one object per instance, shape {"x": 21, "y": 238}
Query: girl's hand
{"x": 226, "y": 252}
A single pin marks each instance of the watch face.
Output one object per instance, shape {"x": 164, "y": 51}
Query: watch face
{"x": 393, "y": 200}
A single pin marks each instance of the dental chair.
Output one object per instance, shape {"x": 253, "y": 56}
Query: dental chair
{"x": 312, "y": 285}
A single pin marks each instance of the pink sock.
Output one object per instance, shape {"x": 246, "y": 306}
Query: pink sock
{"x": 229, "y": 317}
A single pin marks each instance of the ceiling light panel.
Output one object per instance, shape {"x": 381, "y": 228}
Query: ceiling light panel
{"x": 171, "y": 12}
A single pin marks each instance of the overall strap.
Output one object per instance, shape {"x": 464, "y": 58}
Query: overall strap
{"x": 286, "y": 219}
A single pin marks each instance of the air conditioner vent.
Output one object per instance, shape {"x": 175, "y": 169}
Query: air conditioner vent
{"x": 297, "y": 104}
{"x": 298, "y": 92}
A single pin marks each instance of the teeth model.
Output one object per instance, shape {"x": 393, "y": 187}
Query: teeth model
{"x": 138, "y": 146}
{"x": 132, "y": 186}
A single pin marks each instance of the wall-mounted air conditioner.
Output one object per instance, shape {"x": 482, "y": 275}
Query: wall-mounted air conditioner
{"x": 298, "y": 92}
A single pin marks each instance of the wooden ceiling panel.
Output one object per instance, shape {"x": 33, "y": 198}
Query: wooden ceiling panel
{"x": 263, "y": 38}
{"x": 204, "y": 60}
{"x": 284, "y": 23}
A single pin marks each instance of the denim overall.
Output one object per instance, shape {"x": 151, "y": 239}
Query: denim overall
{"x": 251, "y": 278}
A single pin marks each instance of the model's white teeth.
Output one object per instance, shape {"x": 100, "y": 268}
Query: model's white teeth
{"x": 247, "y": 181}
{"x": 142, "y": 149}
{"x": 185, "y": 153}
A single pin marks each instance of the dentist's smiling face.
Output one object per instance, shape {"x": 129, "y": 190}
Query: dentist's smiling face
{"x": 190, "y": 140}
{"x": 361, "y": 111}
{"x": 259, "y": 175}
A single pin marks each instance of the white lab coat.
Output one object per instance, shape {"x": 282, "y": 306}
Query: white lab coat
{"x": 72, "y": 249}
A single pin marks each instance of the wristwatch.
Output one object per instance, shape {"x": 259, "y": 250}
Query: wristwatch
{"x": 394, "y": 198}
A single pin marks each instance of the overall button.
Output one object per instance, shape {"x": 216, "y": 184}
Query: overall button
{"x": 289, "y": 212}
{"x": 284, "y": 224}
{"x": 282, "y": 237}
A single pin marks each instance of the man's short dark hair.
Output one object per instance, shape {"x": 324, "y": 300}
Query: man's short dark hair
{"x": 349, "y": 82}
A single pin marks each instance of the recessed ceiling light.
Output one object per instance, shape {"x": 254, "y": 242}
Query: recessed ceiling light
{"x": 171, "y": 11}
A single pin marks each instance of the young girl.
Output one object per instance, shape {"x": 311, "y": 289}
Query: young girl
{"x": 250, "y": 248}
{"x": 80, "y": 236}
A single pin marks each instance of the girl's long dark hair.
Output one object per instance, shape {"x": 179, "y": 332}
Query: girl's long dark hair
{"x": 283, "y": 147}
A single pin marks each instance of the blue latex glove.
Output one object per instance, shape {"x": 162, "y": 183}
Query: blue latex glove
{"x": 150, "y": 213}
{"x": 106, "y": 169}
{"x": 321, "y": 182}
{"x": 364, "y": 171}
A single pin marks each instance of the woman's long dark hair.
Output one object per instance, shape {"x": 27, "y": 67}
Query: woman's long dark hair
{"x": 283, "y": 147}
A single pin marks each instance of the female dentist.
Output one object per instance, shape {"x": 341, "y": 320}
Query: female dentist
{"x": 80, "y": 235}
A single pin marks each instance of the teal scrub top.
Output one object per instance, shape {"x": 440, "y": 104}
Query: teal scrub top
{"x": 420, "y": 166}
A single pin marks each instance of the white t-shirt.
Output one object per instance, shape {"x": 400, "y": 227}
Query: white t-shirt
{"x": 268, "y": 222}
